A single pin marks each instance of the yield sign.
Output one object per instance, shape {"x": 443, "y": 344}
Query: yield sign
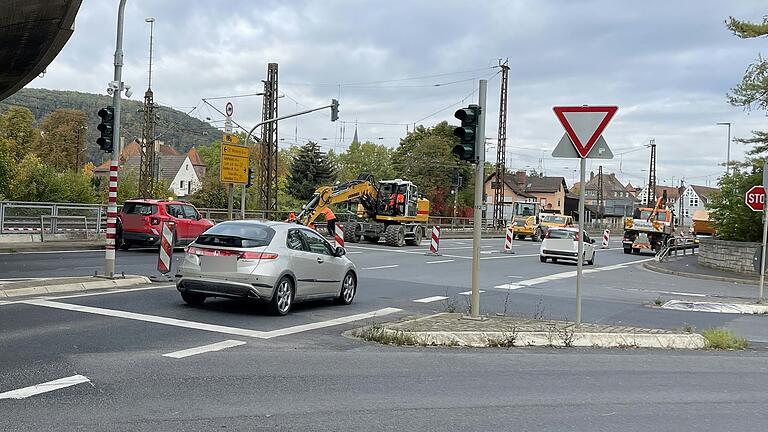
{"x": 584, "y": 124}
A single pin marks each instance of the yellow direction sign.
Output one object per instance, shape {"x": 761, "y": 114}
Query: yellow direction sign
{"x": 231, "y": 139}
{"x": 234, "y": 164}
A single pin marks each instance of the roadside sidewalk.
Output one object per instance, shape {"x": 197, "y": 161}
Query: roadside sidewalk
{"x": 689, "y": 267}
{"x": 43, "y": 286}
{"x": 54, "y": 245}
{"x": 451, "y": 329}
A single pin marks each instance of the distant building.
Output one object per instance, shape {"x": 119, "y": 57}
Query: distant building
{"x": 183, "y": 172}
{"x": 694, "y": 198}
{"x": 617, "y": 203}
{"x": 673, "y": 195}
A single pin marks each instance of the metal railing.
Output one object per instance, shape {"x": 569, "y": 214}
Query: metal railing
{"x": 19, "y": 216}
{"x": 54, "y": 229}
{"x": 676, "y": 245}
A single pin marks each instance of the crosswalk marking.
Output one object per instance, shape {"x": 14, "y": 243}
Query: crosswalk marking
{"x": 45, "y": 387}
{"x": 430, "y": 299}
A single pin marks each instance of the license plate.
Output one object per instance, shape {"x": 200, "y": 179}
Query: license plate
{"x": 217, "y": 264}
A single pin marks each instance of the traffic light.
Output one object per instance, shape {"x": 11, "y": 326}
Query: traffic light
{"x": 334, "y": 110}
{"x": 250, "y": 178}
{"x": 107, "y": 115}
{"x": 469, "y": 117}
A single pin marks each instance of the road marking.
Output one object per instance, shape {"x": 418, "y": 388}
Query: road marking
{"x": 565, "y": 275}
{"x": 209, "y": 327}
{"x": 88, "y": 294}
{"x": 380, "y": 267}
{"x": 430, "y": 299}
{"x": 505, "y": 256}
{"x": 440, "y": 261}
{"x": 470, "y": 292}
{"x": 664, "y": 292}
{"x": 44, "y": 387}
{"x": 52, "y": 252}
{"x": 354, "y": 252}
{"x": 218, "y": 346}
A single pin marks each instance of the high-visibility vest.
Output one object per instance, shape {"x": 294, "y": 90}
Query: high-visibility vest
{"x": 327, "y": 213}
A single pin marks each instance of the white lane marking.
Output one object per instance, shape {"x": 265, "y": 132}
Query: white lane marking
{"x": 208, "y": 327}
{"x": 565, "y": 275}
{"x": 413, "y": 252}
{"x": 109, "y": 291}
{"x": 460, "y": 243}
{"x": 470, "y": 292}
{"x": 687, "y": 294}
{"x": 430, "y": 299}
{"x": 52, "y": 252}
{"x": 505, "y": 256}
{"x": 354, "y": 252}
{"x": 218, "y": 346}
{"x": 44, "y": 387}
{"x": 380, "y": 267}
{"x": 440, "y": 261}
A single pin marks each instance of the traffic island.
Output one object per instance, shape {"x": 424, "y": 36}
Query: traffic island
{"x": 728, "y": 307}
{"x": 450, "y": 329}
{"x": 46, "y": 286}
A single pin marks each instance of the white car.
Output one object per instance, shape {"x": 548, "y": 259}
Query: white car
{"x": 563, "y": 244}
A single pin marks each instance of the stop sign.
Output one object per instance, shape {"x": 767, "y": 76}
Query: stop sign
{"x": 755, "y": 198}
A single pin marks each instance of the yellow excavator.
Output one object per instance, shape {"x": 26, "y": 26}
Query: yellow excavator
{"x": 392, "y": 209}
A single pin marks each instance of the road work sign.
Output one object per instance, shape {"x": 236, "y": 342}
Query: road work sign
{"x": 234, "y": 164}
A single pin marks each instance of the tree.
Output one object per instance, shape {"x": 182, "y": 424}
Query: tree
{"x": 62, "y": 141}
{"x": 309, "y": 169}
{"x": 367, "y": 157}
{"x": 732, "y": 218}
{"x": 17, "y": 132}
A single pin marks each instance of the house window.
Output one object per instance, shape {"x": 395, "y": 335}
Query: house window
{"x": 693, "y": 201}
{"x": 186, "y": 167}
{"x": 181, "y": 184}
{"x": 543, "y": 202}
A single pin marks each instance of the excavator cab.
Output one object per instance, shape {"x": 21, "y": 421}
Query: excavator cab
{"x": 397, "y": 198}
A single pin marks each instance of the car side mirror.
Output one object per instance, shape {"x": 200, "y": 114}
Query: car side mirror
{"x": 340, "y": 251}
{"x": 591, "y": 241}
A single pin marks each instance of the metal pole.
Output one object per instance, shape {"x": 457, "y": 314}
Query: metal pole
{"x": 580, "y": 262}
{"x": 477, "y": 214}
{"x": 109, "y": 262}
{"x": 728, "y": 152}
{"x": 242, "y": 201}
{"x": 765, "y": 235}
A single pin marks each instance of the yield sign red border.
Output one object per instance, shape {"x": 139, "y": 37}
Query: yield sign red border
{"x": 584, "y": 148}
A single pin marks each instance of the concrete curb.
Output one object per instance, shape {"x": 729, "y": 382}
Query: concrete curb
{"x": 47, "y": 247}
{"x": 716, "y": 307}
{"x": 590, "y": 340}
{"x": 75, "y": 287}
{"x": 653, "y": 267}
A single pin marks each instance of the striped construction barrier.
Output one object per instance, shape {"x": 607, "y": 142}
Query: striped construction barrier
{"x": 164, "y": 259}
{"x": 338, "y": 235}
{"x": 434, "y": 245}
{"x": 508, "y": 240}
{"x": 606, "y": 238}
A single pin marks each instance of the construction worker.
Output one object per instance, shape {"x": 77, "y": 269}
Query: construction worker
{"x": 330, "y": 219}
{"x": 291, "y": 217}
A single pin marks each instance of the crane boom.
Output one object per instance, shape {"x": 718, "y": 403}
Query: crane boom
{"x": 325, "y": 196}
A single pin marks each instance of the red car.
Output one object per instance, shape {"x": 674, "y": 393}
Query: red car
{"x": 140, "y": 222}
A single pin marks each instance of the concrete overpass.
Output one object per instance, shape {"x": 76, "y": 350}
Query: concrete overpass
{"x": 32, "y": 33}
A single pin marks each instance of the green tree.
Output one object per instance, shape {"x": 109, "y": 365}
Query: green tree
{"x": 35, "y": 181}
{"x": 309, "y": 169}
{"x": 732, "y": 218}
{"x": 62, "y": 142}
{"x": 17, "y": 131}
{"x": 367, "y": 157}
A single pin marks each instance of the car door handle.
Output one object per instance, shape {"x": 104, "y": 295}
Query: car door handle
{"x": 319, "y": 260}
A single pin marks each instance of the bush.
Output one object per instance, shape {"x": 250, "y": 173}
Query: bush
{"x": 719, "y": 338}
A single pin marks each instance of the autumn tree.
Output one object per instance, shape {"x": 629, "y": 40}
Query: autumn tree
{"x": 62, "y": 142}
{"x": 17, "y": 132}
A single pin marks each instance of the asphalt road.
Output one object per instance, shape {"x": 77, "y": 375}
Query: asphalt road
{"x": 298, "y": 373}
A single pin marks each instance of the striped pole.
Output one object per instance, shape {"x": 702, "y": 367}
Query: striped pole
{"x": 338, "y": 235}
{"x": 606, "y": 238}
{"x": 508, "y": 240}
{"x": 109, "y": 265}
{"x": 434, "y": 245}
{"x": 164, "y": 259}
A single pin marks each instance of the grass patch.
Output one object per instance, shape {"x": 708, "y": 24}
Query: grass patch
{"x": 719, "y": 338}
{"x": 376, "y": 333}
{"x": 658, "y": 301}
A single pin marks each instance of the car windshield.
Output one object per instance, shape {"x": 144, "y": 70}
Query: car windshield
{"x": 562, "y": 234}
{"x": 237, "y": 234}
{"x": 557, "y": 219}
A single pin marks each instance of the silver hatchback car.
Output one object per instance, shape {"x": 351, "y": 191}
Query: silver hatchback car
{"x": 274, "y": 262}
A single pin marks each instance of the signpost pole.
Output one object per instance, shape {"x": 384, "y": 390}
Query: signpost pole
{"x": 474, "y": 310}
{"x": 580, "y": 262}
{"x": 230, "y": 186}
{"x": 765, "y": 232}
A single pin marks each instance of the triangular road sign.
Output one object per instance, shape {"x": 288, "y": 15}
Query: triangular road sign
{"x": 566, "y": 149}
{"x": 584, "y": 124}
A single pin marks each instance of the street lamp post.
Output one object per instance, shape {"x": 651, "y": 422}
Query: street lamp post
{"x": 728, "y": 154}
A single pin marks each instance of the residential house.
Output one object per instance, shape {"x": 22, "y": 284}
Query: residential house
{"x": 550, "y": 191}
{"x": 512, "y": 194}
{"x": 694, "y": 198}
{"x": 673, "y": 195}
{"x": 183, "y": 172}
{"x": 617, "y": 203}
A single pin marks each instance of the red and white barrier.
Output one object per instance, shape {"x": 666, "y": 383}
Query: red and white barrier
{"x": 164, "y": 260}
{"x": 338, "y": 235}
{"x": 434, "y": 245}
{"x": 508, "y": 240}
{"x": 606, "y": 238}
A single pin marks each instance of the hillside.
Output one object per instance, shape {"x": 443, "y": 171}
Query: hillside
{"x": 173, "y": 127}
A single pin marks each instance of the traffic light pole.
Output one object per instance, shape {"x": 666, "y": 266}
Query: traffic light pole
{"x": 477, "y": 214}
{"x": 109, "y": 262}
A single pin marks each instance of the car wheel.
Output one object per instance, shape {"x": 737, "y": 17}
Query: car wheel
{"x": 542, "y": 258}
{"x": 627, "y": 251}
{"x": 554, "y": 260}
{"x": 520, "y": 237}
{"x": 348, "y": 289}
{"x": 282, "y": 299}
{"x": 591, "y": 261}
{"x": 124, "y": 244}
{"x": 193, "y": 299}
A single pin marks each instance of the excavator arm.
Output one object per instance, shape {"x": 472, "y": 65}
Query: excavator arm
{"x": 324, "y": 196}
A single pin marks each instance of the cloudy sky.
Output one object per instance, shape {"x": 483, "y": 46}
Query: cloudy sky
{"x": 667, "y": 64}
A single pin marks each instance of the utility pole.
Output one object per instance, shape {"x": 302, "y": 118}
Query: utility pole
{"x": 652, "y": 175}
{"x": 147, "y": 172}
{"x": 600, "y": 193}
{"x": 477, "y": 213}
{"x": 501, "y": 149}
{"x": 268, "y": 161}
{"x": 109, "y": 255}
